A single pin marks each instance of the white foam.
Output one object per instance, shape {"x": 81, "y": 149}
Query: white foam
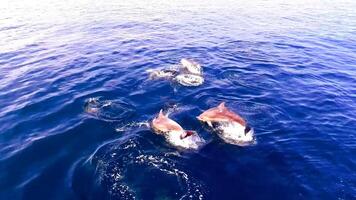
{"x": 234, "y": 133}
{"x": 189, "y": 79}
{"x": 190, "y": 142}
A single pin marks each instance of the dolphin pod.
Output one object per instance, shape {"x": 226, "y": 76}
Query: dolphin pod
{"x": 228, "y": 125}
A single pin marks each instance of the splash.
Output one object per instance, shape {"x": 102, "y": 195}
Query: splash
{"x": 189, "y": 79}
{"x": 233, "y": 133}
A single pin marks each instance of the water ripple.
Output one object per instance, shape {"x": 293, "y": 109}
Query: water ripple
{"x": 74, "y": 90}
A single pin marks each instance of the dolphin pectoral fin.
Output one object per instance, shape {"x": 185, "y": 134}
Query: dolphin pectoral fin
{"x": 189, "y": 133}
{"x": 186, "y": 134}
{"x": 247, "y": 129}
{"x": 209, "y": 123}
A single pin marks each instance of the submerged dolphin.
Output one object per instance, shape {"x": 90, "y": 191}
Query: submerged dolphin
{"x": 229, "y": 126}
{"x": 174, "y": 133}
{"x": 188, "y": 73}
{"x": 162, "y": 73}
{"x": 191, "y": 66}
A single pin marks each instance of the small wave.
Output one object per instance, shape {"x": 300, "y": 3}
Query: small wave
{"x": 125, "y": 167}
{"x": 128, "y": 126}
{"x": 169, "y": 109}
{"x": 108, "y": 110}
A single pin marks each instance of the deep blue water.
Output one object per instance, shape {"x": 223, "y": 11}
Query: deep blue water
{"x": 289, "y": 68}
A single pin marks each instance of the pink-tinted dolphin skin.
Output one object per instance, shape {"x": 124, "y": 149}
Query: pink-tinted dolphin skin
{"x": 174, "y": 133}
{"x": 221, "y": 114}
{"x": 230, "y": 126}
{"x": 162, "y": 124}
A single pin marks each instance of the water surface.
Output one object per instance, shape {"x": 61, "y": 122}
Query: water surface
{"x": 288, "y": 68}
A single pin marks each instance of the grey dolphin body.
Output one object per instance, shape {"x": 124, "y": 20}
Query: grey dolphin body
{"x": 191, "y": 66}
{"x": 188, "y": 73}
{"x": 163, "y": 73}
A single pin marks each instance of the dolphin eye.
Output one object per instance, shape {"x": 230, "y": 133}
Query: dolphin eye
{"x": 247, "y": 129}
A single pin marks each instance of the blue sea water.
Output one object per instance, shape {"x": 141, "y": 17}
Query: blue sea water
{"x": 287, "y": 67}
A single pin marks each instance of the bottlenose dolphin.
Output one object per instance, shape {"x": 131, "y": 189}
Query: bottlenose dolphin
{"x": 163, "y": 73}
{"x": 188, "y": 73}
{"x": 229, "y": 126}
{"x": 191, "y": 66}
{"x": 174, "y": 133}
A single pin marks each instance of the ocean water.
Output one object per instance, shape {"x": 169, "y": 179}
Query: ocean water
{"x": 287, "y": 67}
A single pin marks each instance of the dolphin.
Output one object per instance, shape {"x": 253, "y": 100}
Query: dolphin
{"x": 191, "y": 66}
{"x": 229, "y": 126}
{"x": 174, "y": 133}
{"x": 162, "y": 73}
{"x": 188, "y": 73}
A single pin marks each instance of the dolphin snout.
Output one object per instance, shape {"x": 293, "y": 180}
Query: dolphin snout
{"x": 200, "y": 118}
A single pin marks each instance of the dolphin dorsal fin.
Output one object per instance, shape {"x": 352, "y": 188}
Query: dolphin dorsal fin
{"x": 184, "y": 61}
{"x": 221, "y": 106}
{"x": 161, "y": 114}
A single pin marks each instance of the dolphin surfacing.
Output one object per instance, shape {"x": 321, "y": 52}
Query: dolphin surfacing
{"x": 175, "y": 134}
{"x": 228, "y": 125}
